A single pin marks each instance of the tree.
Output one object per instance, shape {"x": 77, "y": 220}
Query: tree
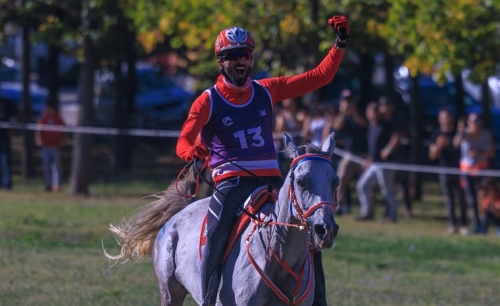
{"x": 81, "y": 159}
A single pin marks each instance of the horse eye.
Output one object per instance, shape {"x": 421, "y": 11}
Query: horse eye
{"x": 336, "y": 184}
{"x": 300, "y": 183}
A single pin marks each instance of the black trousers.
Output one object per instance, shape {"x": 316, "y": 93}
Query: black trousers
{"x": 222, "y": 213}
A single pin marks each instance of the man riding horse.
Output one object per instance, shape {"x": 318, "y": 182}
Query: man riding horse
{"x": 233, "y": 118}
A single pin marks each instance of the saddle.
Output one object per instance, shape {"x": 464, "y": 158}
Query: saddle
{"x": 260, "y": 201}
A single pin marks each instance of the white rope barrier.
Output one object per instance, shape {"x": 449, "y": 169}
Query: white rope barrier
{"x": 175, "y": 134}
{"x": 417, "y": 168}
{"x": 90, "y": 130}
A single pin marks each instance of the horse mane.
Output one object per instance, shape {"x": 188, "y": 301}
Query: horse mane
{"x": 136, "y": 235}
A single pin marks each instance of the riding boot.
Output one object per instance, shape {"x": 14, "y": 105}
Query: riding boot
{"x": 212, "y": 288}
{"x": 319, "y": 279}
{"x": 212, "y": 268}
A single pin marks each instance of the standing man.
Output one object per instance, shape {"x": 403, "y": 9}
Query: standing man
{"x": 51, "y": 142}
{"x": 352, "y": 128}
{"x": 442, "y": 150}
{"x": 383, "y": 140}
{"x": 8, "y": 113}
{"x": 234, "y": 120}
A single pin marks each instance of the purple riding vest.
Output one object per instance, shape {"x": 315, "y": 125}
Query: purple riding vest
{"x": 240, "y": 132}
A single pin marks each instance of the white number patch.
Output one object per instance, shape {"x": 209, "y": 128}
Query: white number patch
{"x": 258, "y": 140}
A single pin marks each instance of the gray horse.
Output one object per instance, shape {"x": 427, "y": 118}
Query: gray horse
{"x": 269, "y": 264}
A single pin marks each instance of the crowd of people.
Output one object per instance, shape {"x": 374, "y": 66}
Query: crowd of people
{"x": 372, "y": 137}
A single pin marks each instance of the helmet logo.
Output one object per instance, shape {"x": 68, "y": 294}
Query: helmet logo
{"x": 237, "y": 35}
{"x": 233, "y": 38}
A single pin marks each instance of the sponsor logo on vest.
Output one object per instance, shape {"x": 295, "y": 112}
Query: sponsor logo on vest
{"x": 262, "y": 112}
{"x": 227, "y": 121}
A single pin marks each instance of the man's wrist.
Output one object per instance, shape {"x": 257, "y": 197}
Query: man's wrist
{"x": 341, "y": 43}
{"x": 388, "y": 149}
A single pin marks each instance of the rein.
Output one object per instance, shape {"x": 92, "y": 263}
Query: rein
{"x": 295, "y": 300}
{"x": 260, "y": 223}
{"x": 200, "y": 175}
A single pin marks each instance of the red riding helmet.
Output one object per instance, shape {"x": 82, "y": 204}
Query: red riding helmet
{"x": 233, "y": 38}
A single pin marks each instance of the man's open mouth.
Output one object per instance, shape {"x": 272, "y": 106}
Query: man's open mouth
{"x": 239, "y": 71}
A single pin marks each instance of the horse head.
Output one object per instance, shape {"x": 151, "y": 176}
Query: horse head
{"x": 312, "y": 189}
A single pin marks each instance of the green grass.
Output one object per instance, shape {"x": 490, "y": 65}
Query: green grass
{"x": 51, "y": 254}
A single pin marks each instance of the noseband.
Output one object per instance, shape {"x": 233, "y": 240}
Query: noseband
{"x": 291, "y": 191}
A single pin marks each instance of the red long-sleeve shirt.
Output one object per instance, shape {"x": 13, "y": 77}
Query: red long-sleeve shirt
{"x": 280, "y": 88}
{"x": 51, "y": 139}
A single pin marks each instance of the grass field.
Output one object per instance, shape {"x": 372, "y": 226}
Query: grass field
{"x": 51, "y": 254}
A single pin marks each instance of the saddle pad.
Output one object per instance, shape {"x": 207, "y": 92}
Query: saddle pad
{"x": 253, "y": 204}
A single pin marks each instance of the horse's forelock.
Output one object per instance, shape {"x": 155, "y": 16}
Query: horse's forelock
{"x": 304, "y": 149}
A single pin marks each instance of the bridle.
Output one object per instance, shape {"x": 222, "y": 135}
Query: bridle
{"x": 292, "y": 198}
{"x": 303, "y": 225}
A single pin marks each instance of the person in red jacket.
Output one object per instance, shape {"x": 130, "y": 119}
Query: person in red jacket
{"x": 233, "y": 119}
{"x": 50, "y": 142}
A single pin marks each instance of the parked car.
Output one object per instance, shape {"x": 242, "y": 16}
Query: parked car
{"x": 159, "y": 103}
{"x": 11, "y": 88}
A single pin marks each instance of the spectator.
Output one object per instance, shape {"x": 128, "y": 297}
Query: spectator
{"x": 289, "y": 117}
{"x": 442, "y": 150}
{"x": 352, "y": 129}
{"x": 382, "y": 142}
{"x": 50, "y": 142}
{"x": 476, "y": 148}
{"x": 395, "y": 117}
{"x": 8, "y": 113}
{"x": 314, "y": 125}
{"x": 491, "y": 204}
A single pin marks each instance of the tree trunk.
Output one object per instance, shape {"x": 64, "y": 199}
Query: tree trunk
{"x": 459, "y": 97}
{"x": 486, "y": 116}
{"x": 367, "y": 90}
{"x": 28, "y": 139}
{"x": 125, "y": 110}
{"x": 82, "y": 154}
{"x": 53, "y": 71}
{"x": 416, "y": 147}
{"x": 389, "y": 74}
{"x": 485, "y": 102}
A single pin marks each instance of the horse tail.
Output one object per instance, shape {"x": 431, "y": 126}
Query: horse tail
{"x": 136, "y": 235}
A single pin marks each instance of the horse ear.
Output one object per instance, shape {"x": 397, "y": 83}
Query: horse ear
{"x": 329, "y": 144}
{"x": 291, "y": 146}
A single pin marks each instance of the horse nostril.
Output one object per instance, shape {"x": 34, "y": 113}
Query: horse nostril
{"x": 320, "y": 230}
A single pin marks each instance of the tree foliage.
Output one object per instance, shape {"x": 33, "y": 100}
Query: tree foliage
{"x": 446, "y": 36}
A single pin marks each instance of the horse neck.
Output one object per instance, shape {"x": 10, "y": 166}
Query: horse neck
{"x": 290, "y": 242}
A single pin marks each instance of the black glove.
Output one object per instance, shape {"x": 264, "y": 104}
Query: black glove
{"x": 340, "y": 26}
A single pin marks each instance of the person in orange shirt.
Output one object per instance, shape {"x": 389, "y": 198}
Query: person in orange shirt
{"x": 476, "y": 147}
{"x": 491, "y": 203}
{"x": 50, "y": 142}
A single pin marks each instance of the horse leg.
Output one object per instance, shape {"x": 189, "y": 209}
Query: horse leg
{"x": 172, "y": 291}
{"x": 319, "y": 280}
